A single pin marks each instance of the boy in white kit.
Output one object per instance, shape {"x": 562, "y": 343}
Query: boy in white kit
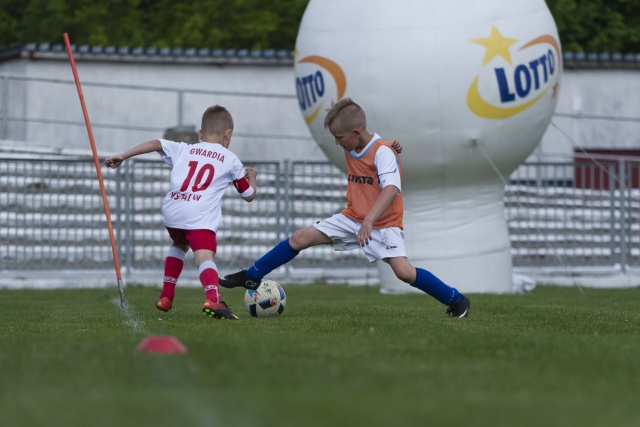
{"x": 191, "y": 210}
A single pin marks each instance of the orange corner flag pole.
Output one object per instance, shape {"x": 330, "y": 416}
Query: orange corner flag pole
{"x": 114, "y": 248}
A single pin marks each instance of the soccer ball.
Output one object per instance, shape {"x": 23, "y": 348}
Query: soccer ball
{"x": 266, "y": 301}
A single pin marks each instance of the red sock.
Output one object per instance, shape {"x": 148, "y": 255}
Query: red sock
{"x": 172, "y": 269}
{"x": 209, "y": 280}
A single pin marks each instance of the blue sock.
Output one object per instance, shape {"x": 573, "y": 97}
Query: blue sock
{"x": 281, "y": 254}
{"x": 430, "y": 284}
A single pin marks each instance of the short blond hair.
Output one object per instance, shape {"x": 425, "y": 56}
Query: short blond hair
{"x": 347, "y": 114}
{"x": 216, "y": 120}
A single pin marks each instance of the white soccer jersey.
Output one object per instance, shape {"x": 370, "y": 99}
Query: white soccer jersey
{"x": 200, "y": 176}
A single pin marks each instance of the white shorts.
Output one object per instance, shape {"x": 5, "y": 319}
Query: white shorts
{"x": 385, "y": 242}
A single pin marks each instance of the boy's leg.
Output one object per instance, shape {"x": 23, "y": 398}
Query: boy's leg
{"x": 173, "y": 264}
{"x": 281, "y": 254}
{"x": 427, "y": 282}
{"x": 204, "y": 246}
{"x": 213, "y": 306}
{"x": 209, "y": 279}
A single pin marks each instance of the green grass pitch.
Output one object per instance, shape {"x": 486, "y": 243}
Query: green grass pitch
{"x": 338, "y": 356}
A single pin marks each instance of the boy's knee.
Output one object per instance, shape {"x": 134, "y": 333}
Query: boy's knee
{"x": 406, "y": 277}
{"x": 307, "y": 237}
{"x": 296, "y": 238}
{"x": 405, "y": 272}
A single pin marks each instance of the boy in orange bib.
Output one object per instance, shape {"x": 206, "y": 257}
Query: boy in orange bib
{"x": 372, "y": 219}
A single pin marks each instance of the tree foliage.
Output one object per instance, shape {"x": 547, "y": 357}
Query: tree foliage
{"x": 598, "y": 25}
{"x": 584, "y": 25}
{"x": 250, "y": 24}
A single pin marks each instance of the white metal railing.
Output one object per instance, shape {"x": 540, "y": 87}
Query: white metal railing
{"x": 51, "y": 215}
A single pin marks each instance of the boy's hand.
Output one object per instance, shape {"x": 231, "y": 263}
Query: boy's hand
{"x": 364, "y": 234}
{"x": 250, "y": 173}
{"x": 395, "y": 144}
{"x": 113, "y": 162}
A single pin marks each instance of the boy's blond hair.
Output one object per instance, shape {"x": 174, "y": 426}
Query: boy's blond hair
{"x": 216, "y": 120}
{"x": 347, "y": 114}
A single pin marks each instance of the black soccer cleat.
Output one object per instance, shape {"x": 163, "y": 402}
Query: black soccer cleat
{"x": 460, "y": 308}
{"x": 239, "y": 280}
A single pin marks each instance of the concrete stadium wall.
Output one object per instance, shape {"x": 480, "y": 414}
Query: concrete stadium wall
{"x": 583, "y": 91}
{"x": 279, "y": 118}
{"x": 602, "y": 92}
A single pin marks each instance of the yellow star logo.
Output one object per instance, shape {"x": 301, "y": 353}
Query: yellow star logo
{"x": 496, "y": 45}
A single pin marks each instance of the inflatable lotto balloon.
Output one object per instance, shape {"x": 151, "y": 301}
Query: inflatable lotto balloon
{"x": 468, "y": 88}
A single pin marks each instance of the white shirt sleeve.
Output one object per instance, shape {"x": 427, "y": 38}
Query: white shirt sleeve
{"x": 388, "y": 168}
{"x": 167, "y": 148}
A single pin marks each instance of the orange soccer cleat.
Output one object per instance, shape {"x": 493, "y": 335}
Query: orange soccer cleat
{"x": 163, "y": 304}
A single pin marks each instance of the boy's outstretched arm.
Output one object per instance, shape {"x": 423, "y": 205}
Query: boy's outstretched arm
{"x": 145, "y": 147}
